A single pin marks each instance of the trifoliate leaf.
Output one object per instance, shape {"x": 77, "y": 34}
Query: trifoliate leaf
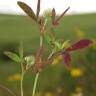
{"x": 13, "y": 56}
{"x": 30, "y": 61}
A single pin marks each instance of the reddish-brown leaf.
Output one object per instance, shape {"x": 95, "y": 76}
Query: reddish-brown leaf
{"x": 53, "y": 15}
{"x": 38, "y": 8}
{"x": 27, "y": 10}
{"x": 67, "y": 60}
{"x": 57, "y": 20}
{"x": 79, "y": 45}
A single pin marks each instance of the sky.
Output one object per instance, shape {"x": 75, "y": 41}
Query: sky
{"x": 76, "y": 6}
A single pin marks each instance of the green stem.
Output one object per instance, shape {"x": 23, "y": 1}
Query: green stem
{"x": 7, "y": 89}
{"x": 41, "y": 40}
{"x": 22, "y": 83}
{"x": 37, "y": 74}
{"x": 35, "y": 84}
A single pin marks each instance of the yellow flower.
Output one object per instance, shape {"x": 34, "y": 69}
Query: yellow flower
{"x": 48, "y": 94}
{"x": 15, "y": 77}
{"x": 78, "y": 89}
{"x": 78, "y": 92}
{"x": 76, "y": 72}
{"x": 93, "y": 45}
{"x": 59, "y": 90}
{"x": 79, "y": 33}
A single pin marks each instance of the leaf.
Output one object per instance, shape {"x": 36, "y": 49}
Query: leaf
{"x": 57, "y": 45}
{"x": 30, "y": 60}
{"x": 65, "y": 44}
{"x": 13, "y": 56}
{"x": 48, "y": 39}
{"x": 79, "y": 45}
{"x": 38, "y": 8}
{"x": 27, "y": 10}
{"x": 53, "y": 34}
{"x": 53, "y": 15}
{"x": 57, "y": 20}
{"x": 67, "y": 60}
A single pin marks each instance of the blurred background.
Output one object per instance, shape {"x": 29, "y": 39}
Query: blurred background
{"x": 55, "y": 80}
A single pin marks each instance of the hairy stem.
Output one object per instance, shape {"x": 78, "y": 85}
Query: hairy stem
{"x": 35, "y": 84}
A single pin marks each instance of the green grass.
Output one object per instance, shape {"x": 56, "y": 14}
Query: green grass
{"x": 14, "y": 29}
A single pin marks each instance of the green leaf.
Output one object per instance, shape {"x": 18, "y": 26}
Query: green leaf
{"x": 48, "y": 39}
{"x": 47, "y": 14}
{"x": 27, "y": 10}
{"x": 13, "y": 56}
{"x": 65, "y": 44}
{"x": 30, "y": 60}
{"x": 57, "y": 45}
